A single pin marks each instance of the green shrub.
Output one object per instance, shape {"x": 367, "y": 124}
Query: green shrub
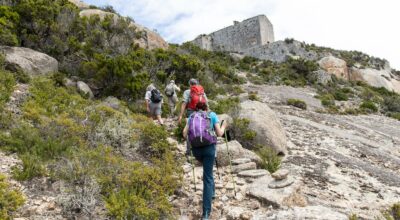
{"x": 131, "y": 190}
{"x": 297, "y": 103}
{"x": 270, "y": 160}
{"x": 395, "y": 115}
{"x": 7, "y": 83}
{"x": 225, "y": 105}
{"x": 369, "y": 106}
{"x": 340, "y": 96}
{"x": 393, "y": 213}
{"x": 9, "y": 21}
{"x": 353, "y": 217}
{"x": 178, "y": 131}
{"x": 327, "y": 100}
{"x": 10, "y": 199}
{"x": 241, "y": 132}
{"x": 253, "y": 96}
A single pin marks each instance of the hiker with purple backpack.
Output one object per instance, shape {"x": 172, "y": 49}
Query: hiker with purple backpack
{"x": 201, "y": 130}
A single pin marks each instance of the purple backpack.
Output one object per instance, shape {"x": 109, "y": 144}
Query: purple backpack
{"x": 201, "y": 133}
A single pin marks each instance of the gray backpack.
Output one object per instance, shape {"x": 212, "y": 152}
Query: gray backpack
{"x": 170, "y": 90}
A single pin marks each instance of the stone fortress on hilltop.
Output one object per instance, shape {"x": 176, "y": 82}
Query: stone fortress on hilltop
{"x": 240, "y": 37}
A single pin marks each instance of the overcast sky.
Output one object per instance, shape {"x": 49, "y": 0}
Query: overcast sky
{"x": 369, "y": 26}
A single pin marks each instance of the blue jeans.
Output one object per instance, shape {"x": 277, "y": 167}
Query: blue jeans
{"x": 206, "y": 155}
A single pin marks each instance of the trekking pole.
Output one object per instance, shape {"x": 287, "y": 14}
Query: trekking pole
{"x": 194, "y": 177}
{"x": 216, "y": 164}
{"x": 230, "y": 163}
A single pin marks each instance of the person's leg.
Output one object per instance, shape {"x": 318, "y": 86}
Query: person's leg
{"x": 208, "y": 178}
{"x": 158, "y": 113}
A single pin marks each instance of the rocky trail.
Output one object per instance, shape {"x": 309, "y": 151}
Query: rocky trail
{"x": 335, "y": 166}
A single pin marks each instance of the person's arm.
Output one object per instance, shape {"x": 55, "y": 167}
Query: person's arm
{"x": 183, "y": 108}
{"x": 220, "y": 130}
{"x": 185, "y": 130}
{"x": 147, "y": 105}
{"x": 177, "y": 88}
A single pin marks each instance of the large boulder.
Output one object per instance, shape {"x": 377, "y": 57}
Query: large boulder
{"x": 29, "y": 61}
{"x": 235, "y": 151}
{"x": 266, "y": 124}
{"x": 149, "y": 39}
{"x": 376, "y": 78}
{"x": 334, "y": 66}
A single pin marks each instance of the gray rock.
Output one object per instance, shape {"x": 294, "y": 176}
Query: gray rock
{"x": 376, "y": 78}
{"x": 84, "y": 89}
{"x": 80, "y": 4}
{"x": 321, "y": 77}
{"x": 242, "y": 167}
{"x": 310, "y": 212}
{"x": 276, "y": 184}
{"x": 235, "y": 151}
{"x": 112, "y": 102}
{"x": 280, "y": 174}
{"x": 275, "y": 197}
{"x": 29, "y": 61}
{"x": 264, "y": 121}
{"x": 240, "y": 161}
{"x": 253, "y": 173}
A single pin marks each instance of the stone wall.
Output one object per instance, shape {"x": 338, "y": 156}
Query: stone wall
{"x": 241, "y": 36}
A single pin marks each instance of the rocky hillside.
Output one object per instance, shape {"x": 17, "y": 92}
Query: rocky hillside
{"x": 314, "y": 135}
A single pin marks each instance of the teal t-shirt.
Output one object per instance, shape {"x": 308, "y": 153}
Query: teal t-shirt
{"x": 214, "y": 118}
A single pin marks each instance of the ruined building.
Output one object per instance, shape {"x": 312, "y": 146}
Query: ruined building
{"x": 240, "y": 37}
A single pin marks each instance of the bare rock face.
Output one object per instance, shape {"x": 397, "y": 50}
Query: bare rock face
{"x": 376, "y": 78}
{"x": 236, "y": 151}
{"x": 149, "y": 40}
{"x": 334, "y": 66}
{"x": 29, "y": 61}
{"x": 264, "y": 121}
{"x": 277, "y": 197}
{"x": 310, "y": 212}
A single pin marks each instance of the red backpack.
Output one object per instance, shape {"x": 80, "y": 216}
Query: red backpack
{"x": 196, "y": 95}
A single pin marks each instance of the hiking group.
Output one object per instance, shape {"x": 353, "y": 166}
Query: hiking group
{"x": 201, "y": 129}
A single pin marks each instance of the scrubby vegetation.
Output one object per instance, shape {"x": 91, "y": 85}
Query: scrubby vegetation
{"x": 10, "y": 199}
{"x": 270, "y": 160}
{"x": 61, "y": 135}
{"x": 393, "y": 213}
{"x": 297, "y": 103}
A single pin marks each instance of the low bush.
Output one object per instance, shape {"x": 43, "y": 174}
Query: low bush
{"x": 327, "y": 100}
{"x": 225, "y": 105}
{"x": 297, "y": 103}
{"x": 353, "y": 217}
{"x": 369, "y": 106}
{"x": 241, "y": 132}
{"x": 10, "y": 199}
{"x": 253, "y": 96}
{"x": 393, "y": 213}
{"x": 7, "y": 83}
{"x": 340, "y": 96}
{"x": 270, "y": 160}
{"x": 395, "y": 115}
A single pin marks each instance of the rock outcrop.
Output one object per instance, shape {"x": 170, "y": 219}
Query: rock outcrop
{"x": 235, "y": 151}
{"x": 29, "y": 61}
{"x": 334, "y": 66}
{"x": 264, "y": 121}
{"x": 376, "y": 78}
{"x": 148, "y": 40}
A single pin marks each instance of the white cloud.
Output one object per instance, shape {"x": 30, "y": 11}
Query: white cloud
{"x": 365, "y": 25}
